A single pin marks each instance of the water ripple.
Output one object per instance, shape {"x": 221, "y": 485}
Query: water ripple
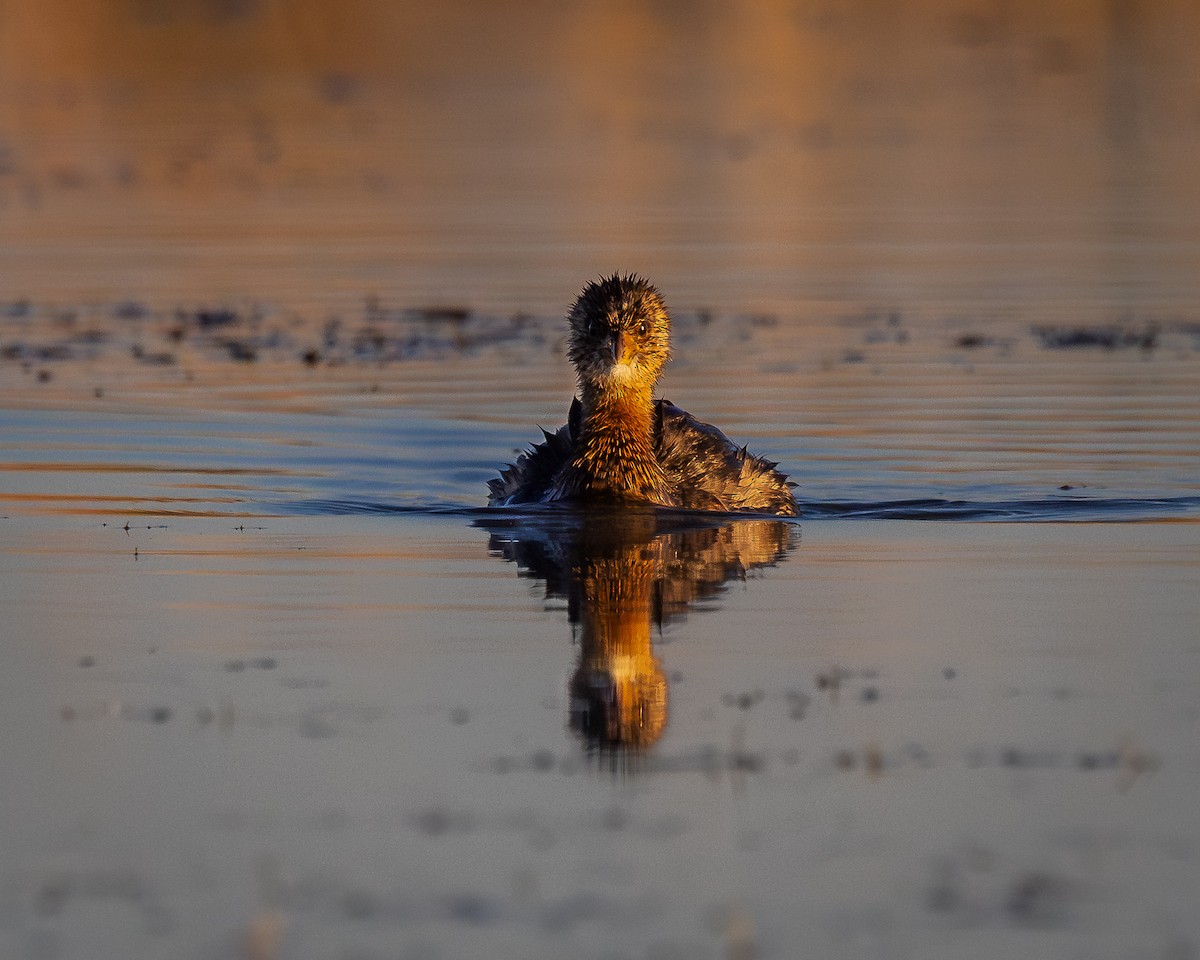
{"x": 1055, "y": 510}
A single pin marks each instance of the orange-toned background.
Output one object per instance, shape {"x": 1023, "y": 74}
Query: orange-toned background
{"x": 767, "y": 155}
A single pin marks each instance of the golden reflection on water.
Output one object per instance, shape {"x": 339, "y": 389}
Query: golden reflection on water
{"x": 624, "y": 575}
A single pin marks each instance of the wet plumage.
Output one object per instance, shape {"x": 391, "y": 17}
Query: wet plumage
{"x": 619, "y": 442}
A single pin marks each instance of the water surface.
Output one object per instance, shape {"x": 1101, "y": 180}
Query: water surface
{"x": 278, "y": 685}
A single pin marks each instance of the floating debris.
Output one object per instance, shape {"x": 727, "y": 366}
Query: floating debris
{"x": 129, "y": 310}
{"x": 240, "y": 350}
{"x": 743, "y": 701}
{"x": 798, "y": 704}
{"x": 211, "y": 319}
{"x": 1110, "y": 337}
{"x": 457, "y": 315}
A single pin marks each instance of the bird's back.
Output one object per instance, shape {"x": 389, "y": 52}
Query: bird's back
{"x": 710, "y": 472}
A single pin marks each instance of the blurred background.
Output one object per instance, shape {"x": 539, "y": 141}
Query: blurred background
{"x": 930, "y": 156}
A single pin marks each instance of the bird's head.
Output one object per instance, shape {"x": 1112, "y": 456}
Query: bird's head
{"x": 619, "y": 335}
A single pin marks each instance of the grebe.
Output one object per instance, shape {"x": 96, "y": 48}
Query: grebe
{"x": 619, "y": 443}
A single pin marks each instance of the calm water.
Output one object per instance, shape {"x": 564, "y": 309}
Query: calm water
{"x": 371, "y": 735}
{"x": 277, "y": 686}
{"x": 279, "y": 291}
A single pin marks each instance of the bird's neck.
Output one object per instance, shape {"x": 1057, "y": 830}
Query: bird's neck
{"x": 615, "y": 451}
{"x": 626, "y": 414}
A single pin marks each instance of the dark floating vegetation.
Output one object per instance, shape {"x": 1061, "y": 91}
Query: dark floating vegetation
{"x": 36, "y": 335}
{"x": 31, "y": 335}
{"x": 1107, "y": 337}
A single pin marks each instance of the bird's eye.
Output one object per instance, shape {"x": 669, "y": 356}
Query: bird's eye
{"x": 642, "y": 328}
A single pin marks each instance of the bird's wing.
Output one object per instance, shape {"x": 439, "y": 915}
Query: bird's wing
{"x": 528, "y": 478}
{"x": 711, "y": 472}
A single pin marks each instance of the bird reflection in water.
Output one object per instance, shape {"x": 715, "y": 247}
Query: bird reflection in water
{"x": 625, "y": 573}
